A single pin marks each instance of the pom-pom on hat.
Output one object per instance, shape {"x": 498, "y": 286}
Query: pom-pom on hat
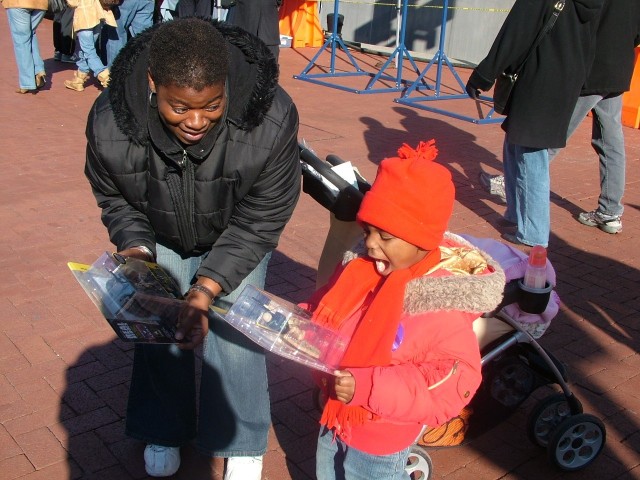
{"x": 411, "y": 197}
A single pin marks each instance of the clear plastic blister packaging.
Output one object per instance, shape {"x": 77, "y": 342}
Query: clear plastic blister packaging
{"x": 139, "y": 299}
{"x": 286, "y": 329}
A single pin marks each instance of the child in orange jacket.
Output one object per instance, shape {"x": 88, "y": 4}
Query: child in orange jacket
{"x": 407, "y": 298}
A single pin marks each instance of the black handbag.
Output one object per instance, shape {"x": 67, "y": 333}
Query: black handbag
{"x": 506, "y": 81}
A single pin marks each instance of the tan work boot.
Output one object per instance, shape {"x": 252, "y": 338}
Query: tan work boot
{"x": 77, "y": 83}
{"x": 103, "y": 78}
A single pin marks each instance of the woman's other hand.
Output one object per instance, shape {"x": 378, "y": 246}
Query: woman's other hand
{"x": 193, "y": 323}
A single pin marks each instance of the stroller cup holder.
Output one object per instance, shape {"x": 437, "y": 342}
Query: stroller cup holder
{"x": 533, "y": 300}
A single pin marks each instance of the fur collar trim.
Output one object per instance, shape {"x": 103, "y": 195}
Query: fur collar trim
{"x": 253, "y": 79}
{"x": 468, "y": 292}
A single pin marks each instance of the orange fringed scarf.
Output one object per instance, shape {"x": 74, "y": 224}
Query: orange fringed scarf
{"x": 373, "y": 337}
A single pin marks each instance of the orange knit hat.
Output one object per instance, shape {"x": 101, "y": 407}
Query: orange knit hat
{"x": 411, "y": 197}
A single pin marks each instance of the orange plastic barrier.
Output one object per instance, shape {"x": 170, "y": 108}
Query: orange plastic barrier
{"x": 631, "y": 99}
{"x": 299, "y": 19}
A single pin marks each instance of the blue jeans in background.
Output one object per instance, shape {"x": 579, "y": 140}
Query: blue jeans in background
{"x": 527, "y": 188}
{"x": 607, "y": 139}
{"x": 234, "y": 414}
{"x": 335, "y": 460}
{"x": 23, "y": 23}
{"x": 132, "y": 17}
{"x": 88, "y": 59}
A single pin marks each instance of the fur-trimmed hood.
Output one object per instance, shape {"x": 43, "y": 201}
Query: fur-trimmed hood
{"x": 468, "y": 286}
{"x": 252, "y": 82}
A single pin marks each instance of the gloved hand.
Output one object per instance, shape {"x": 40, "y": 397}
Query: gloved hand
{"x": 473, "y": 91}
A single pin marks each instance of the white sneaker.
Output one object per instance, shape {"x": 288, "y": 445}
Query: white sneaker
{"x": 243, "y": 468}
{"x": 161, "y": 461}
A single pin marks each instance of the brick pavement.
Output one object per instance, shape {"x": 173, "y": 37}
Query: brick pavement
{"x": 64, "y": 378}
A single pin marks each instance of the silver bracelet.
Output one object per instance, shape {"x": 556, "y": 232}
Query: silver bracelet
{"x": 202, "y": 289}
{"x": 147, "y": 251}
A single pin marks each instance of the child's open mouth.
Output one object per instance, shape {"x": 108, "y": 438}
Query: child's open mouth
{"x": 381, "y": 267}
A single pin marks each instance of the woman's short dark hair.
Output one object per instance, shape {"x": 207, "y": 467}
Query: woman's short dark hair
{"x": 188, "y": 52}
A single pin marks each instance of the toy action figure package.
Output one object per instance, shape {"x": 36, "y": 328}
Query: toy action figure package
{"x": 286, "y": 330}
{"x": 139, "y": 299}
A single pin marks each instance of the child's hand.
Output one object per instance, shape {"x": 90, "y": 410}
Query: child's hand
{"x": 345, "y": 385}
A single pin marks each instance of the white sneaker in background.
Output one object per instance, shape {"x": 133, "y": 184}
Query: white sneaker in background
{"x": 243, "y": 468}
{"x": 161, "y": 461}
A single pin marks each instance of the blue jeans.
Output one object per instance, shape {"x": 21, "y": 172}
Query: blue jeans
{"x": 526, "y": 182}
{"x": 335, "y": 460}
{"x": 23, "y": 23}
{"x": 88, "y": 59}
{"x": 607, "y": 139}
{"x": 234, "y": 414}
{"x": 132, "y": 17}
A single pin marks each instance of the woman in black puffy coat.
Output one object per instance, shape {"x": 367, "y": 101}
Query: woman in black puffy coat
{"x": 192, "y": 156}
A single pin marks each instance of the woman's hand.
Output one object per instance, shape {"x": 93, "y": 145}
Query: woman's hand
{"x": 193, "y": 322}
{"x": 345, "y": 385}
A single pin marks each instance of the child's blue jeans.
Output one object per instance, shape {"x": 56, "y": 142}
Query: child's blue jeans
{"x": 88, "y": 60}
{"x": 335, "y": 460}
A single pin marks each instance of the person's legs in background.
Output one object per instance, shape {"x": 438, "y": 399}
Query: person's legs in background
{"x": 527, "y": 187}
{"x": 608, "y": 141}
{"x": 142, "y": 18}
{"x": 63, "y": 42}
{"x": 88, "y": 61}
{"x": 580, "y": 111}
{"x": 23, "y": 23}
{"x": 494, "y": 184}
{"x": 132, "y": 17}
{"x": 117, "y": 36}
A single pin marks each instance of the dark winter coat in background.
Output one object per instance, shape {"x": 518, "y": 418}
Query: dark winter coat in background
{"x": 549, "y": 85}
{"x": 617, "y": 35}
{"x": 243, "y": 177}
{"x": 259, "y": 17}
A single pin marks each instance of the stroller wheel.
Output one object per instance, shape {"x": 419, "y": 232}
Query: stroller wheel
{"x": 544, "y": 418}
{"x": 511, "y": 382}
{"x": 576, "y": 442}
{"x": 419, "y": 465}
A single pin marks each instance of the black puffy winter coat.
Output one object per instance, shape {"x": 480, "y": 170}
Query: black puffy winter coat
{"x": 230, "y": 195}
{"x": 549, "y": 85}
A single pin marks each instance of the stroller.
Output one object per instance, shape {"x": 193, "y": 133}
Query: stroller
{"x": 514, "y": 364}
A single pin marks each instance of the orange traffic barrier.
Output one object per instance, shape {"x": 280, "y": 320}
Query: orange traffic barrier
{"x": 299, "y": 20}
{"x": 631, "y": 99}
